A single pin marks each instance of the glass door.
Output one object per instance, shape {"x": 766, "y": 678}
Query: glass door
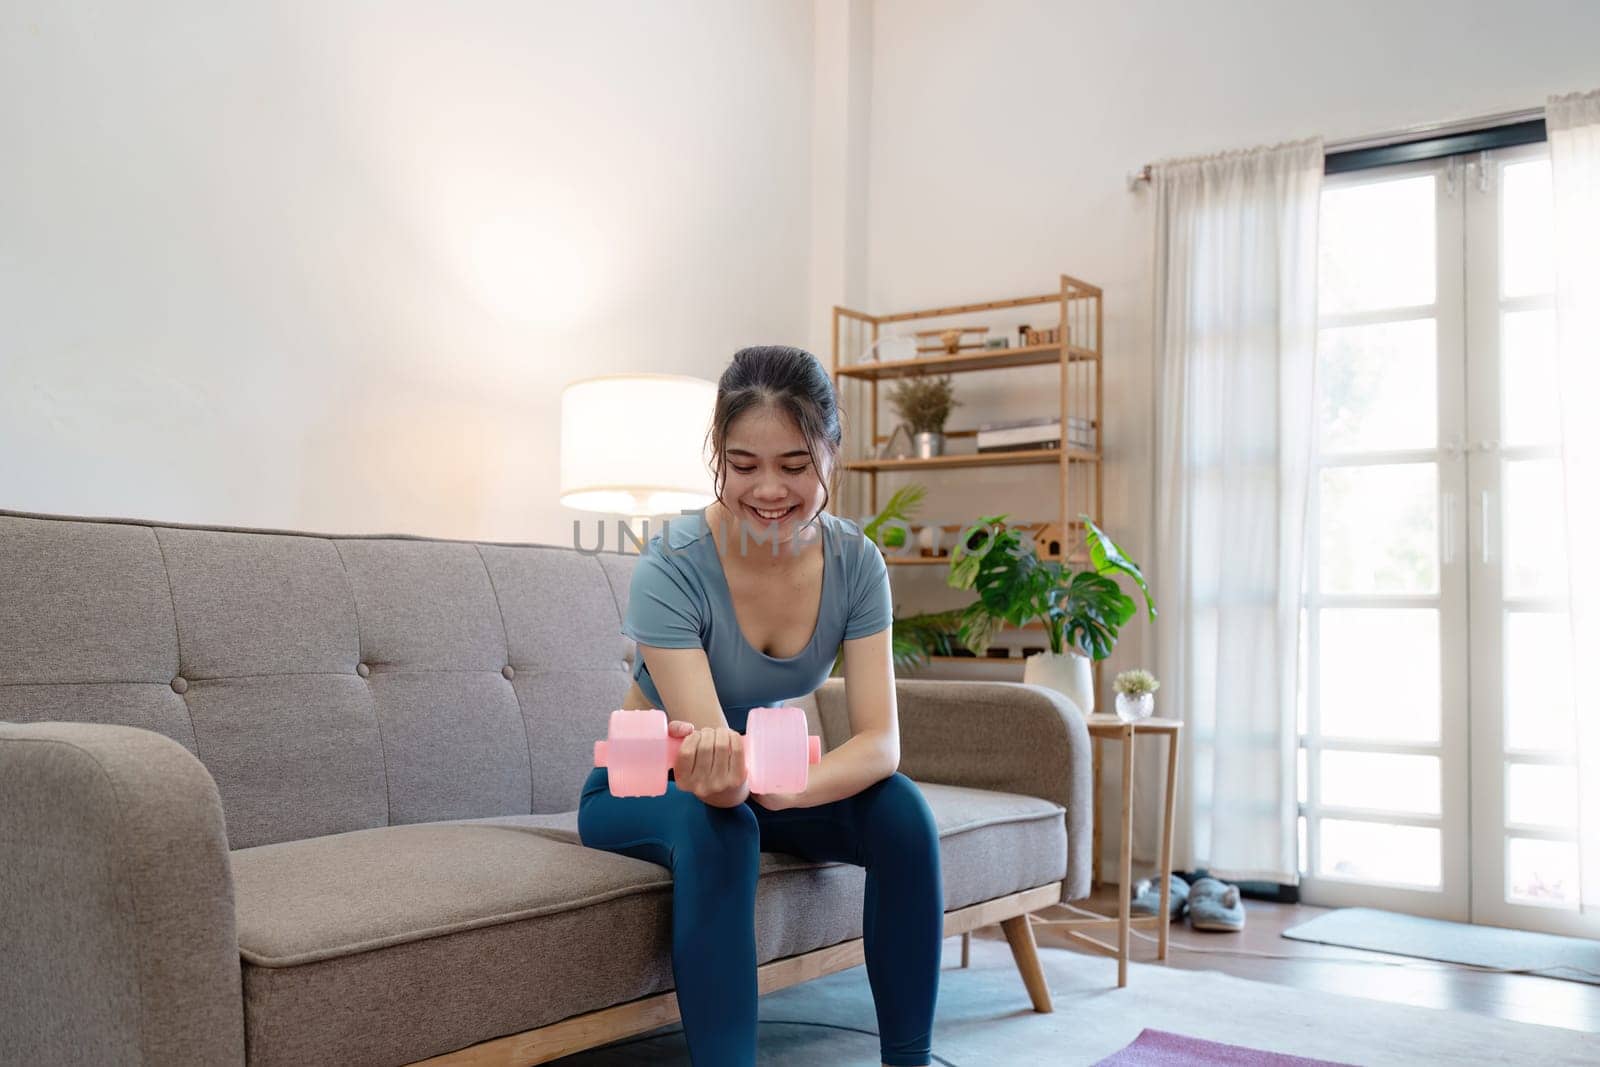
{"x": 1436, "y": 715}
{"x": 1524, "y": 778}
{"x": 1383, "y": 710}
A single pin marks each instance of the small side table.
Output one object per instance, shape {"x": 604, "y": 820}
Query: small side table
{"x": 1104, "y": 726}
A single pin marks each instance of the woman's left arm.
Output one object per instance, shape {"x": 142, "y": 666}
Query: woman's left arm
{"x": 873, "y": 751}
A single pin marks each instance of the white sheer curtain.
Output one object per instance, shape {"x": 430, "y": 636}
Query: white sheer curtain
{"x": 1235, "y": 358}
{"x": 1572, "y": 124}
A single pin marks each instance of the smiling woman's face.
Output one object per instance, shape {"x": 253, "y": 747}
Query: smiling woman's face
{"x": 771, "y": 484}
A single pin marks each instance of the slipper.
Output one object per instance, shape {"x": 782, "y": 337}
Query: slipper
{"x": 1147, "y": 897}
{"x": 1215, "y": 905}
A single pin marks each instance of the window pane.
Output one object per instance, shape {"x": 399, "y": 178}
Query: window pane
{"x": 1529, "y": 411}
{"x": 1534, "y": 520}
{"x": 1302, "y": 719}
{"x": 1542, "y": 795}
{"x": 1376, "y": 248}
{"x": 1542, "y": 872}
{"x": 1381, "y": 780}
{"x": 1380, "y": 673}
{"x": 1527, "y": 260}
{"x": 1377, "y": 386}
{"x": 1379, "y": 529}
{"x": 1538, "y": 698}
{"x": 1375, "y": 852}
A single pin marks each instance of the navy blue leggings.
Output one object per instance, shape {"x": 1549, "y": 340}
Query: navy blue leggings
{"x": 714, "y": 856}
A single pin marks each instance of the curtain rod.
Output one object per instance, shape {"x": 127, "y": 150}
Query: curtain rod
{"x": 1410, "y": 133}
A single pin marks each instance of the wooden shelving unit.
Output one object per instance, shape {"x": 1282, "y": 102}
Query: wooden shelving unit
{"x": 1076, "y": 315}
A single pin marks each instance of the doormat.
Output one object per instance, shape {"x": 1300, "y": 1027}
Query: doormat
{"x": 1575, "y": 959}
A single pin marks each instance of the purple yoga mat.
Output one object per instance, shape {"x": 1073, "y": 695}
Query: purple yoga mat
{"x": 1157, "y": 1048}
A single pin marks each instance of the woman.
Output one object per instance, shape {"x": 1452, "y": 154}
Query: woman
{"x": 747, "y": 603}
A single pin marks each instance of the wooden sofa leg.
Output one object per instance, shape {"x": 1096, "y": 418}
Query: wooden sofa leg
{"x": 1020, "y": 934}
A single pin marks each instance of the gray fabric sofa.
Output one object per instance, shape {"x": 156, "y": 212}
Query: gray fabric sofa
{"x": 272, "y": 797}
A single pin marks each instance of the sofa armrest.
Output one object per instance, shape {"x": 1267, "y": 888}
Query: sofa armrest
{"x": 1005, "y": 736}
{"x": 116, "y": 901}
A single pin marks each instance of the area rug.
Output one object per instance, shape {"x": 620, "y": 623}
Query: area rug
{"x": 1576, "y": 959}
{"x": 984, "y": 1018}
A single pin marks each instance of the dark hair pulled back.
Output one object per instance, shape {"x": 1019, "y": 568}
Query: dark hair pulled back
{"x": 786, "y": 379}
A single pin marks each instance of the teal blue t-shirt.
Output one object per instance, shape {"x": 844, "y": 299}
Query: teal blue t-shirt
{"x": 679, "y": 598}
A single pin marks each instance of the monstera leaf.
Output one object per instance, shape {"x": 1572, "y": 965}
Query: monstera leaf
{"x": 1081, "y": 610}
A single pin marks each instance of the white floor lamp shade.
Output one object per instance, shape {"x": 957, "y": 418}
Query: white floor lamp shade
{"x": 635, "y": 444}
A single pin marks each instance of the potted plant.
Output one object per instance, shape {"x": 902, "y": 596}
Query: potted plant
{"x": 1082, "y": 611}
{"x": 1136, "y": 695}
{"x": 903, "y": 502}
{"x": 913, "y": 638}
{"x": 924, "y": 403}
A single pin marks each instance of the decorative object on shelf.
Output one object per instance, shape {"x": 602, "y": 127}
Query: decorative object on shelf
{"x": 934, "y": 541}
{"x": 1049, "y": 540}
{"x": 898, "y": 445}
{"x": 997, "y": 342}
{"x": 890, "y": 347}
{"x": 1136, "y": 695}
{"x": 1048, "y": 335}
{"x": 924, "y": 402}
{"x": 1082, "y": 611}
{"x": 950, "y": 339}
{"x": 1016, "y": 435}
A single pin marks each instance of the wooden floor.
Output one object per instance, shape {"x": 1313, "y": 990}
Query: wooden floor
{"x": 1331, "y": 969}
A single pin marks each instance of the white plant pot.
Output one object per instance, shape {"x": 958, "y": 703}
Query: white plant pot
{"x": 1132, "y": 709}
{"x": 1068, "y": 673}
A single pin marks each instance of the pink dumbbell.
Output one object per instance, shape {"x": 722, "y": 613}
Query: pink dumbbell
{"x": 637, "y": 752}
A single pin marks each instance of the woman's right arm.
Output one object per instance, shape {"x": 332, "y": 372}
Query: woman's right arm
{"x": 683, "y": 678}
{"x": 711, "y": 761}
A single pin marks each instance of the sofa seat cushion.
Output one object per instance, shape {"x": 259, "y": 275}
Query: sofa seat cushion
{"x": 321, "y": 897}
{"x": 392, "y": 944}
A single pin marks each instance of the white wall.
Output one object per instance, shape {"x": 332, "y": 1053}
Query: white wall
{"x": 326, "y": 266}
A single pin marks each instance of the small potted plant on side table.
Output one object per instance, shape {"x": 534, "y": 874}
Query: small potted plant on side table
{"x": 924, "y": 403}
{"x": 1136, "y": 695}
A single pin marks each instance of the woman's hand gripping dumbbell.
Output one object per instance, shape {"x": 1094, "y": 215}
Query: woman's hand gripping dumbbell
{"x": 773, "y": 756}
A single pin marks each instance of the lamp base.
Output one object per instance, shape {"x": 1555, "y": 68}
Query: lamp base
{"x": 633, "y": 530}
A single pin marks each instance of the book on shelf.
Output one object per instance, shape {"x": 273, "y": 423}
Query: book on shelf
{"x": 1009, "y": 424}
{"x": 1025, "y": 446}
{"x": 1034, "y": 433}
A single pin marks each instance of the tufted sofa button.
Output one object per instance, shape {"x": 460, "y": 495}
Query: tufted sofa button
{"x": 363, "y": 670}
{"x": 180, "y": 684}
{"x": 508, "y": 671}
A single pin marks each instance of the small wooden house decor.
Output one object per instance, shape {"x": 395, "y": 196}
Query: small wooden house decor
{"x": 1048, "y": 540}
